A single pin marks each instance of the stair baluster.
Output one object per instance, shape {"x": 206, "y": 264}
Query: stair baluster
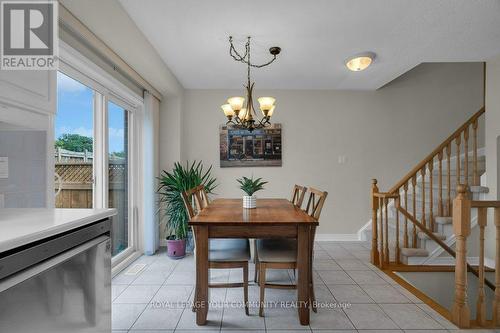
{"x": 405, "y": 240}
{"x": 457, "y": 143}
{"x": 475, "y": 174}
{"x": 414, "y": 211}
{"x": 448, "y": 179}
{"x": 422, "y": 173}
{"x": 396, "y": 250}
{"x": 431, "y": 195}
{"x": 381, "y": 233}
{"x": 386, "y": 225}
{"x": 481, "y": 298}
{"x": 466, "y": 156}
{"x": 440, "y": 183}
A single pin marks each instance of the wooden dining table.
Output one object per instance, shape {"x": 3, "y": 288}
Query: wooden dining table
{"x": 273, "y": 218}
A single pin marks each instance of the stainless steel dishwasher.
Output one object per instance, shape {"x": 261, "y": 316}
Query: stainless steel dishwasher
{"x": 59, "y": 284}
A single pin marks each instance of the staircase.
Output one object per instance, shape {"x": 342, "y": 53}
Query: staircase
{"x": 427, "y": 250}
{"x": 430, "y": 212}
{"x": 412, "y": 223}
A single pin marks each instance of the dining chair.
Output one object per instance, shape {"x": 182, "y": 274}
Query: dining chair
{"x": 298, "y": 194}
{"x": 224, "y": 253}
{"x": 282, "y": 253}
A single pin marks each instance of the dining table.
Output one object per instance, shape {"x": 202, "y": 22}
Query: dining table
{"x": 272, "y": 218}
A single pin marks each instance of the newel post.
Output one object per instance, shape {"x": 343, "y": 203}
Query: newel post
{"x": 374, "y": 203}
{"x": 461, "y": 227}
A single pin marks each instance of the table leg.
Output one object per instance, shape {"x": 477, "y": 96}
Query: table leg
{"x": 303, "y": 257}
{"x": 201, "y": 236}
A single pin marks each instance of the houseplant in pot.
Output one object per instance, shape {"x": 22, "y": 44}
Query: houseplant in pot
{"x": 250, "y": 186}
{"x": 171, "y": 184}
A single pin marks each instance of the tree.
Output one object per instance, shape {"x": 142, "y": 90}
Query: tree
{"x": 118, "y": 154}
{"x": 74, "y": 142}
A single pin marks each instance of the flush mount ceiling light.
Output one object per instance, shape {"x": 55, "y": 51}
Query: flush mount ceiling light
{"x": 360, "y": 61}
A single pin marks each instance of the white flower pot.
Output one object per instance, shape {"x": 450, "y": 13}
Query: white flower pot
{"x": 249, "y": 201}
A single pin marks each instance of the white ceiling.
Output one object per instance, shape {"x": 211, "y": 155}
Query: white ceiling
{"x": 316, "y": 37}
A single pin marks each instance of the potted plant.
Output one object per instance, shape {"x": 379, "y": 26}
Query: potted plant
{"x": 250, "y": 186}
{"x": 171, "y": 185}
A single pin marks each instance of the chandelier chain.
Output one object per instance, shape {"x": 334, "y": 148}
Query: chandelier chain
{"x": 247, "y": 119}
{"x": 246, "y": 57}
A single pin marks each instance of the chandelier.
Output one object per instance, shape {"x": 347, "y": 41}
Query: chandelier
{"x": 239, "y": 114}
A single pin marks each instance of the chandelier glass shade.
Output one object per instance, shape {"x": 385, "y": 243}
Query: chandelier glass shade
{"x": 240, "y": 111}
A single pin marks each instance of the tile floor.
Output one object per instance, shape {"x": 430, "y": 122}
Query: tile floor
{"x": 157, "y": 298}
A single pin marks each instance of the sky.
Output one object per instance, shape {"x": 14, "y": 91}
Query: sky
{"x": 75, "y": 113}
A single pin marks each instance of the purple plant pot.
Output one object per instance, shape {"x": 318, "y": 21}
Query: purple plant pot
{"x": 176, "y": 249}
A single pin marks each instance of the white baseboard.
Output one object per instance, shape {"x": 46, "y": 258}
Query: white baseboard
{"x": 337, "y": 237}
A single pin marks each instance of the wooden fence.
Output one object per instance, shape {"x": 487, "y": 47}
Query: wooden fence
{"x": 74, "y": 182}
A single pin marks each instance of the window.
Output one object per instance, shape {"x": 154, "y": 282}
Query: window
{"x": 74, "y": 144}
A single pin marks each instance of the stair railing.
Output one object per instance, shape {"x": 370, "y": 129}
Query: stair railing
{"x": 423, "y": 218}
{"x": 462, "y": 206}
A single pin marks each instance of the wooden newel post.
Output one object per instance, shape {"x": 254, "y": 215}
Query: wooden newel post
{"x": 374, "y": 203}
{"x": 461, "y": 226}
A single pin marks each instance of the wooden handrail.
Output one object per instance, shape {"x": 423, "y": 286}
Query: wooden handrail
{"x": 436, "y": 151}
{"x": 386, "y": 195}
{"x": 442, "y": 244}
{"x": 485, "y": 204}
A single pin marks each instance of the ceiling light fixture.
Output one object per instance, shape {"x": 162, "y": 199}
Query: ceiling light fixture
{"x": 239, "y": 114}
{"x": 360, "y": 61}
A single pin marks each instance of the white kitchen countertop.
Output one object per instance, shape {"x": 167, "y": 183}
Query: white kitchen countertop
{"x": 20, "y": 226}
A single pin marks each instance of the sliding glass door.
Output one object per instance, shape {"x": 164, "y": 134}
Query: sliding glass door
{"x": 118, "y": 174}
{"x": 93, "y": 149}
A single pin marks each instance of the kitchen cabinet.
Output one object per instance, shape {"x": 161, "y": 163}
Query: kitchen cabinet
{"x": 29, "y": 90}
{"x": 27, "y": 110}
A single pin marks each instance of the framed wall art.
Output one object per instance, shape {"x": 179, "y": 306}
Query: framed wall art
{"x": 242, "y": 148}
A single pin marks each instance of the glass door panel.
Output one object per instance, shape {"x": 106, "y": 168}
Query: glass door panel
{"x": 118, "y": 178}
{"x": 74, "y": 144}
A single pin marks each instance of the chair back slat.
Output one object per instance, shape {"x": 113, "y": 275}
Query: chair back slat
{"x": 298, "y": 195}
{"x": 195, "y": 200}
{"x": 315, "y": 202}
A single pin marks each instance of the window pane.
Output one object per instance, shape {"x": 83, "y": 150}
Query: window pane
{"x": 118, "y": 174}
{"x": 74, "y": 137}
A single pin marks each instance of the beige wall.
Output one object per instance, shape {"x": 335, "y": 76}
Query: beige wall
{"x": 492, "y": 136}
{"x": 170, "y": 131}
{"x": 381, "y": 133}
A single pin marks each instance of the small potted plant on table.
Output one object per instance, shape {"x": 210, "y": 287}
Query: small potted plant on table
{"x": 250, "y": 186}
{"x": 171, "y": 185}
